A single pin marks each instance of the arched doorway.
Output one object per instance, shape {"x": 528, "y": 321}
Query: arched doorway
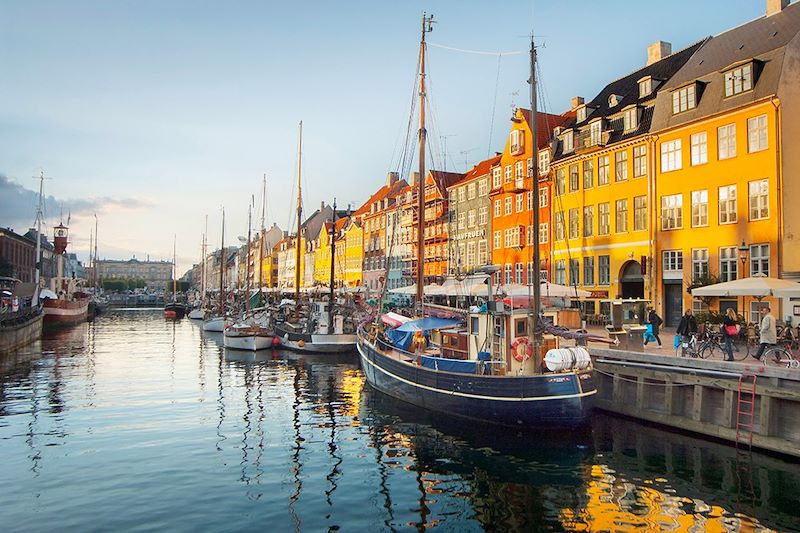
{"x": 631, "y": 281}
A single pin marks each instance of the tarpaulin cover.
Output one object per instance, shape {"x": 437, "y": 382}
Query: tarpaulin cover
{"x": 449, "y": 365}
{"x": 427, "y": 324}
{"x": 400, "y": 339}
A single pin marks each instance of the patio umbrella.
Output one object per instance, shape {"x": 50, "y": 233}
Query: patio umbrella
{"x": 756, "y": 286}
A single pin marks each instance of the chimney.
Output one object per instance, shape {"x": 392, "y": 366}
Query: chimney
{"x": 577, "y": 101}
{"x": 414, "y": 178}
{"x": 776, "y": 6}
{"x": 658, "y": 51}
{"x": 391, "y": 178}
{"x": 322, "y": 205}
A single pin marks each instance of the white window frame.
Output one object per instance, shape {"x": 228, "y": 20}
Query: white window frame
{"x": 639, "y": 161}
{"x": 699, "y": 148}
{"x": 671, "y": 212}
{"x": 497, "y": 177}
{"x": 630, "y": 119}
{"x": 509, "y": 205}
{"x": 671, "y": 155}
{"x": 739, "y": 80}
{"x": 544, "y": 162}
{"x": 699, "y": 263}
{"x": 726, "y": 141}
{"x": 728, "y": 263}
{"x": 588, "y": 220}
{"x": 568, "y": 141}
{"x": 483, "y": 187}
{"x": 544, "y": 196}
{"x": 483, "y": 215}
{"x": 595, "y": 132}
{"x": 498, "y": 240}
{"x": 574, "y": 223}
{"x": 603, "y": 170}
{"x": 604, "y": 218}
{"x": 639, "y": 213}
{"x": 684, "y": 99}
{"x": 700, "y": 208}
{"x": 508, "y": 174}
{"x": 728, "y": 204}
{"x": 623, "y": 227}
{"x": 757, "y": 138}
{"x": 519, "y": 202}
{"x": 544, "y": 232}
{"x": 758, "y": 199}
{"x": 498, "y": 208}
{"x": 759, "y": 259}
{"x": 621, "y": 165}
{"x": 587, "y": 171}
{"x": 672, "y": 260}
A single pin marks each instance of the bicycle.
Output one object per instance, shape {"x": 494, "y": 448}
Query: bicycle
{"x": 687, "y": 347}
{"x": 780, "y": 355}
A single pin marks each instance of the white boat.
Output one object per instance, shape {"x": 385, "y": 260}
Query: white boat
{"x": 322, "y": 338}
{"x": 217, "y": 324}
{"x": 248, "y": 337}
{"x": 196, "y": 314}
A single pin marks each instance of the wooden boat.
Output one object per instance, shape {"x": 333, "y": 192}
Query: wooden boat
{"x": 249, "y": 337}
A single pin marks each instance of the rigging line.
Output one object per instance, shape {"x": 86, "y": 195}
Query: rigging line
{"x": 477, "y": 52}
{"x": 494, "y": 106}
{"x": 410, "y": 124}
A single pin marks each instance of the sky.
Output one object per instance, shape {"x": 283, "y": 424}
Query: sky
{"x": 155, "y": 114}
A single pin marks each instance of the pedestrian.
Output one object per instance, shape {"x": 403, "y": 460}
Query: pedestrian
{"x": 768, "y": 332}
{"x": 687, "y": 326}
{"x": 730, "y": 330}
{"x": 655, "y": 321}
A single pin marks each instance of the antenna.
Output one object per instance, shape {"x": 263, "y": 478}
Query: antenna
{"x": 464, "y": 153}
{"x": 444, "y": 138}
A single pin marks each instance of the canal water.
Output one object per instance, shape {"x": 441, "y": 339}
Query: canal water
{"x": 139, "y": 424}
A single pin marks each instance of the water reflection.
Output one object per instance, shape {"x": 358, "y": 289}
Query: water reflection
{"x": 136, "y": 422}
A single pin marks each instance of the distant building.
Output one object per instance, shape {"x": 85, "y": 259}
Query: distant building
{"x": 73, "y": 268}
{"x": 19, "y": 253}
{"x": 156, "y": 274}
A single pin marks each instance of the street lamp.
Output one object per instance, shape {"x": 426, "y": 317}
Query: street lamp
{"x": 743, "y": 251}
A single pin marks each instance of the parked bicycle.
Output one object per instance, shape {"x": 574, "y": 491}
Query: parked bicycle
{"x": 780, "y": 355}
{"x": 716, "y": 341}
{"x": 688, "y": 348}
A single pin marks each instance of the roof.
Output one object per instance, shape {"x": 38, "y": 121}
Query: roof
{"x": 764, "y": 39}
{"x": 444, "y": 179}
{"x": 545, "y": 122}
{"x": 481, "y": 169}
{"x": 387, "y": 191}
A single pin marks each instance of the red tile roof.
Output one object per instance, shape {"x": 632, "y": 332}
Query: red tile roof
{"x": 481, "y": 169}
{"x": 545, "y": 122}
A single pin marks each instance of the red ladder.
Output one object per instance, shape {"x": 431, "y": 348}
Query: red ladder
{"x": 745, "y": 409}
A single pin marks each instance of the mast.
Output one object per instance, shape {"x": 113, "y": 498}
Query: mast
{"x": 203, "y": 285}
{"x": 262, "y": 242}
{"x": 91, "y": 240}
{"x": 249, "y": 233}
{"x": 174, "y": 269}
{"x": 299, "y": 219}
{"x": 533, "y": 172}
{"x": 427, "y": 26}
{"x": 222, "y": 265}
{"x": 94, "y": 270}
{"x": 333, "y": 259}
{"x": 39, "y": 215}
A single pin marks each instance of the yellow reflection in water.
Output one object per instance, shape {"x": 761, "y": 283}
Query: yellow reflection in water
{"x": 351, "y": 387}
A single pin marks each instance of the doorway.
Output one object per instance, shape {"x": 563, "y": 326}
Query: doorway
{"x": 673, "y": 303}
{"x": 631, "y": 281}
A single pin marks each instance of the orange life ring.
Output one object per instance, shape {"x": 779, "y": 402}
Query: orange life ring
{"x": 521, "y": 349}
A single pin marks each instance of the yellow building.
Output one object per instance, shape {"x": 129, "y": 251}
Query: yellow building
{"x": 353, "y": 236}
{"x": 322, "y": 255}
{"x": 602, "y": 166}
{"x": 722, "y": 173}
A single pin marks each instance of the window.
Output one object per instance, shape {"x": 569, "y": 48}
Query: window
{"x": 462, "y": 194}
{"x": 603, "y": 270}
{"x": 518, "y": 269}
{"x": 574, "y": 223}
{"x": 573, "y": 178}
{"x": 512, "y": 237}
{"x": 639, "y": 161}
{"x": 699, "y": 142}
{"x": 519, "y": 174}
{"x": 531, "y": 273}
{"x": 603, "y": 164}
{"x": 622, "y": 215}
{"x": 672, "y": 212}
{"x": 561, "y": 181}
{"x": 629, "y": 118}
{"x": 699, "y": 208}
{"x": 727, "y": 204}
{"x": 671, "y": 155}
{"x": 560, "y": 226}
{"x": 509, "y": 201}
{"x": 497, "y": 179}
{"x": 508, "y": 273}
{"x": 588, "y": 220}
{"x": 561, "y": 272}
{"x": 596, "y": 132}
{"x": 520, "y": 202}
{"x": 759, "y": 259}
{"x": 498, "y": 237}
{"x": 580, "y": 114}
{"x": 588, "y": 271}
{"x": 483, "y": 253}
{"x": 728, "y": 265}
{"x": 673, "y": 260}
{"x": 544, "y": 197}
{"x": 471, "y": 218}
{"x": 621, "y": 165}
{"x": 683, "y": 99}
{"x": 483, "y": 215}
{"x": 757, "y": 134}
{"x": 567, "y": 141}
{"x": 471, "y": 191}
{"x": 507, "y": 175}
{"x": 759, "y": 199}
{"x": 530, "y": 200}
{"x": 544, "y": 162}
{"x": 574, "y": 272}
{"x": 498, "y": 208}
{"x": 517, "y": 141}
{"x": 726, "y": 141}
{"x": 739, "y": 80}
{"x": 461, "y": 219}
{"x": 483, "y": 188}
{"x": 645, "y": 86}
{"x": 544, "y": 232}
{"x": 588, "y": 174}
{"x": 699, "y": 263}
{"x": 603, "y": 218}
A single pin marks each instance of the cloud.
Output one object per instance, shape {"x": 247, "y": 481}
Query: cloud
{"x": 18, "y": 204}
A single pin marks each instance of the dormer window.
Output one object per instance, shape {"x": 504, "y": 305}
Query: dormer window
{"x": 568, "y": 145}
{"x": 739, "y": 79}
{"x": 630, "y": 118}
{"x": 581, "y": 114}
{"x": 517, "y": 141}
{"x": 645, "y": 86}
{"x": 614, "y": 100}
{"x": 684, "y": 99}
{"x": 595, "y": 132}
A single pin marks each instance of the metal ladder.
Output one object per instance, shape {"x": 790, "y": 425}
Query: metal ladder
{"x": 745, "y": 409}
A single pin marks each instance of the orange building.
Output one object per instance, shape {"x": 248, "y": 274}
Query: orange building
{"x": 436, "y": 223}
{"x": 511, "y": 198}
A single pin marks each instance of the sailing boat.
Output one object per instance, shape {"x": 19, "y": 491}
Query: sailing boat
{"x": 324, "y": 330}
{"x": 174, "y": 309}
{"x": 198, "y": 312}
{"x": 499, "y": 378}
{"x": 218, "y": 323}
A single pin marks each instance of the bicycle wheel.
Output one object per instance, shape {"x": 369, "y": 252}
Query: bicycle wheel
{"x": 778, "y": 355}
{"x": 741, "y": 349}
{"x": 706, "y": 349}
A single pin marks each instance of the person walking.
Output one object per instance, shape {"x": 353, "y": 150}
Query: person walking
{"x": 768, "y": 332}
{"x": 655, "y": 321}
{"x": 686, "y": 327}
{"x": 730, "y": 330}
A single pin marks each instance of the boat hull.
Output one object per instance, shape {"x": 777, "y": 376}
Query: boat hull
{"x": 16, "y": 335}
{"x": 216, "y": 324}
{"x": 196, "y": 314}
{"x": 546, "y": 400}
{"x": 174, "y": 310}
{"x": 64, "y": 313}
{"x": 319, "y": 343}
{"x": 247, "y": 342}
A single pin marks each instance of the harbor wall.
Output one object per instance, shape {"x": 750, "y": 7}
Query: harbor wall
{"x": 17, "y": 336}
{"x": 701, "y": 396}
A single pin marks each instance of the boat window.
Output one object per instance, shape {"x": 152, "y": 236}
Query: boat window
{"x": 474, "y": 327}
{"x": 522, "y": 327}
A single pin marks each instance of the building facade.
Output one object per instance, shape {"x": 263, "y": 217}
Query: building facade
{"x": 156, "y": 274}
{"x": 19, "y": 254}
